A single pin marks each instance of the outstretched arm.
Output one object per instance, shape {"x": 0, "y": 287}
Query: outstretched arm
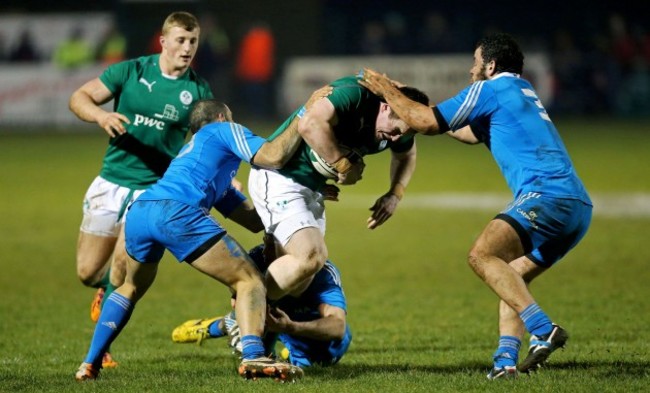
{"x": 276, "y": 153}
{"x": 418, "y": 116}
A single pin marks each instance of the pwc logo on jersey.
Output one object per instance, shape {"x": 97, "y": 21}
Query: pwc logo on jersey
{"x": 169, "y": 113}
{"x": 148, "y": 122}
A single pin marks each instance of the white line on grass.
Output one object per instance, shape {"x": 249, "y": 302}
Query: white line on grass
{"x": 613, "y": 205}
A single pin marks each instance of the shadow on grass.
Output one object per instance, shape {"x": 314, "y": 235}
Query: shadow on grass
{"x": 607, "y": 369}
{"x": 604, "y": 369}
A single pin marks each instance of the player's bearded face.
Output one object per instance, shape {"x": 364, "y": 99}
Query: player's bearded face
{"x": 478, "y": 70}
{"x": 179, "y": 46}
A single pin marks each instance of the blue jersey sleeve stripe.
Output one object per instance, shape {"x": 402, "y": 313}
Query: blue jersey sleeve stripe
{"x": 336, "y": 277}
{"x": 466, "y": 108}
{"x": 240, "y": 140}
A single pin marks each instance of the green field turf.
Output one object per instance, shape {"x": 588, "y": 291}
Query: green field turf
{"x": 422, "y": 322}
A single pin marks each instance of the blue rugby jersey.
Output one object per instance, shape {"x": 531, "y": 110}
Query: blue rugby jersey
{"x": 202, "y": 173}
{"x": 506, "y": 114}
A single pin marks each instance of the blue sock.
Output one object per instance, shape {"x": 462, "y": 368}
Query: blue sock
{"x": 536, "y": 321}
{"x": 214, "y": 330}
{"x": 252, "y": 347}
{"x": 507, "y": 353}
{"x": 115, "y": 314}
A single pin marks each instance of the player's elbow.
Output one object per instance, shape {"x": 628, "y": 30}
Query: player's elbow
{"x": 72, "y": 102}
{"x": 269, "y": 159}
{"x": 338, "y": 331}
{"x": 336, "y": 326}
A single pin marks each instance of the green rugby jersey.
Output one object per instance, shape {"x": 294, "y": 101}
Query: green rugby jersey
{"x": 158, "y": 108}
{"x": 357, "y": 109}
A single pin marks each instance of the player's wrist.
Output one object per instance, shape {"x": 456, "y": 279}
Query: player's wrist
{"x": 342, "y": 165}
{"x": 397, "y": 190}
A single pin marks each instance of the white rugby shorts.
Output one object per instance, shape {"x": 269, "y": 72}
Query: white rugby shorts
{"x": 284, "y": 205}
{"x": 104, "y": 207}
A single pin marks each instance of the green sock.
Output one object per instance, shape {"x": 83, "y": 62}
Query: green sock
{"x": 105, "y": 281}
{"x": 108, "y": 290}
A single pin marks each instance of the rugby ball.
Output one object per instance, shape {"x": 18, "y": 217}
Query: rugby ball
{"x": 326, "y": 169}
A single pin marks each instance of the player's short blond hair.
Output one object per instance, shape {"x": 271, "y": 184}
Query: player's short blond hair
{"x": 181, "y": 19}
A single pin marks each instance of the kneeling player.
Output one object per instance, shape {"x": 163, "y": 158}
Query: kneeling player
{"x": 311, "y": 324}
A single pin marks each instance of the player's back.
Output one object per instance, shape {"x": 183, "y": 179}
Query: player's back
{"x": 525, "y": 142}
{"x": 205, "y": 167}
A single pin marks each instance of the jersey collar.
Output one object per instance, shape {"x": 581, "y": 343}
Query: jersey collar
{"x": 506, "y": 75}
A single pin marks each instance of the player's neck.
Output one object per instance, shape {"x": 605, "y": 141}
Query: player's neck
{"x": 168, "y": 69}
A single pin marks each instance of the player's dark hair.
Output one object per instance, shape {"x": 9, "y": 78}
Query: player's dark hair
{"x": 207, "y": 111}
{"x": 504, "y": 50}
{"x": 414, "y": 94}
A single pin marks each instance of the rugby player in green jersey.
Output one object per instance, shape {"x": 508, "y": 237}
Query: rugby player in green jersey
{"x": 290, "y": 201}
{"x": 152, "y": 98}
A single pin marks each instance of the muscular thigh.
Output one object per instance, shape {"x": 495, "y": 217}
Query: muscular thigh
{"x": 498, "y": 239}
{"x": 305, "y": 243}
{"x": 548, "y": 227}
{"x": 227, "y": 262}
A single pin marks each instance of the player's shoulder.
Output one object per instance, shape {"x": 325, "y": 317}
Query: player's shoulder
{"x": 194, "y": 76}
{"x": 349, "y": 81}
{"x": 504, "y": 80}
{"x": 143, "y": 61}
{"x": 347, "y": 90}
{"x": 134, "y": 65}
{"x": 202, "y": 83}
{"x": 228, "y": 129}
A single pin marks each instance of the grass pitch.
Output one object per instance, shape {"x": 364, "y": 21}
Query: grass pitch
{"x": 421, "y": 320}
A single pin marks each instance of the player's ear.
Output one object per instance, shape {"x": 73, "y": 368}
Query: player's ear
{"x": 490, "y": 68}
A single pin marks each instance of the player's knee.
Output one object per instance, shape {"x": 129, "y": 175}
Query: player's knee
{"x": 475, "y": 260}
{"x": 88, "y": 276}
{"x": 246, "y": 276}
{"x": 314, "y": 261}
{"x": 253, "y": 285}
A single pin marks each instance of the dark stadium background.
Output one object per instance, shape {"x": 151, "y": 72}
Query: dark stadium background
{"x": 592, "y": 84}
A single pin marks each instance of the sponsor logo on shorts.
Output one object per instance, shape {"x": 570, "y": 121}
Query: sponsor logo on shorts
{"x": 531, "y": 216}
